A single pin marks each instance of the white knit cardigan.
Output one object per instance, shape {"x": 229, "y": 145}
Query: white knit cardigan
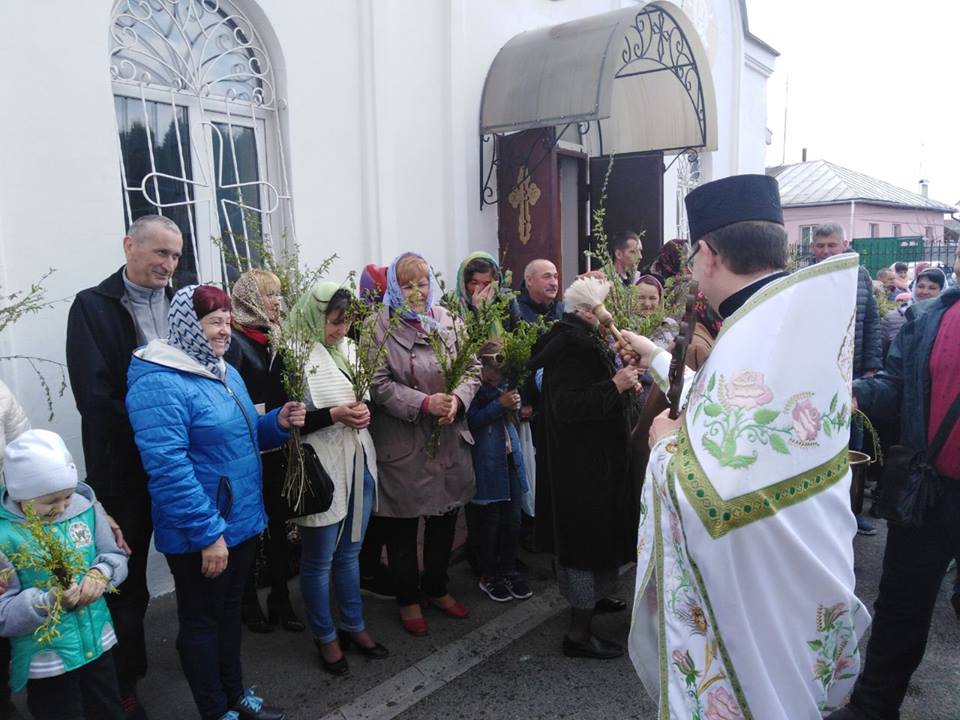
{"x": 341, "y": 449}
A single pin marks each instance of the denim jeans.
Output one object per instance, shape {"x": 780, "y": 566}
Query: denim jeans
{"x": 328, "y": 553}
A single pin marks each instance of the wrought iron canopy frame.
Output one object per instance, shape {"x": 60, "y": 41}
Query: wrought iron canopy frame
{"x": 653, "y": 41}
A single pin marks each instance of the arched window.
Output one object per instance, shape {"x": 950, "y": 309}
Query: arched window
{"x": 197, "y": 107}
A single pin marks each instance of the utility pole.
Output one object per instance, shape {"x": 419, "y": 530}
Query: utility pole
{"x": 786, "y": 102}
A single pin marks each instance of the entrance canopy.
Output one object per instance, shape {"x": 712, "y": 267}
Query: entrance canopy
{"x": 641, "y": 73}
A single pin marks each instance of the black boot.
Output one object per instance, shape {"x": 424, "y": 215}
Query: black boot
{"x": 281, "y": 613}
{"x": 581, "y": 642}
{"x": 252, "y": 616}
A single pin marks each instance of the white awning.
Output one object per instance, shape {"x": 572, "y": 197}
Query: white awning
{"x": 642, "y": 71}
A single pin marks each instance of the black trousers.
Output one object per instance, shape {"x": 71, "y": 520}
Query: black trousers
{"x": 401, "y": 536}
{"x": 89, "y": 692}
{"x": 208, "y": 639}
{"x": 129, "y": 606}
{"x": 497, "y": 529}
{"x": 914, "y": 564}
{"x": 371, "y": 551}
{"x": 275, "y": 542}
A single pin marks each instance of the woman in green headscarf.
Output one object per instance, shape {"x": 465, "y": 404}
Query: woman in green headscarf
{"x": 337, "y": 429}
{"x": 479, "y": 280}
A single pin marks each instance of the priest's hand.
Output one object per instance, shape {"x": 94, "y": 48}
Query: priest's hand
{"x": 662, "y": 426}
{"x": 639, "y": 349}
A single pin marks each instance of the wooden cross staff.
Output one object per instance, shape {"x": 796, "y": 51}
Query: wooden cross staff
{"x": 678, "y": 360}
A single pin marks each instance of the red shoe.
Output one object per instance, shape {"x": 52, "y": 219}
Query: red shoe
{"x": 415, "y": 626}
{"x": 456, "y": 611}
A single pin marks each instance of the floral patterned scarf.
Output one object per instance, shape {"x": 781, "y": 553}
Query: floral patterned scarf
{"x": 248, "y": 310}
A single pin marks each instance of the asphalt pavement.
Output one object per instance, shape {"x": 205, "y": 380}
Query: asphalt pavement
{"x": 503, "y": 662}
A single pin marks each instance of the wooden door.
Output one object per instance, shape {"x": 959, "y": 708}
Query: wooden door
{"x": 528, "y": 200}
{"x": 634, "y": 197}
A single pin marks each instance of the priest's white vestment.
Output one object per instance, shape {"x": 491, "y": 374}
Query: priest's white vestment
{"x": 745, "y": 604}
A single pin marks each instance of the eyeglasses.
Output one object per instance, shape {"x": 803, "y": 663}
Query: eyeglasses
{"x": 692, "y": 255}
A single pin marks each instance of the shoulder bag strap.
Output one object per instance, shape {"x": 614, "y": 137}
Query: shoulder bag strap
{"x": 943, "y": 432}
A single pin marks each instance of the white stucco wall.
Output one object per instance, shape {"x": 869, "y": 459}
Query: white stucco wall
{"x": 381, "y": 138}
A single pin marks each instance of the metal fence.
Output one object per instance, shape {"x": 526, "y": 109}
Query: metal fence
{"x": 877, "y": 253}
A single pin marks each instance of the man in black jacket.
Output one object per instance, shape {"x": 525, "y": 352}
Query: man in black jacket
{"x": 106, "y": 324}
{"x": 918, "y": 383}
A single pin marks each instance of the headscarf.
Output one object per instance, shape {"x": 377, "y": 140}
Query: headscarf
{"x": 186, "y": 335}
{"x": 396, "y": 300}
{"x": 311, "y": 311}
{"x": 669, "y": 261}
{"x": 373, "y": 283}
{"x": 649, "y": 279}
{"x": 248, "y": 308}
{"x": 707, "y": 316}
{"x": 462, "y": 293}
{"x": 931, "y": 273}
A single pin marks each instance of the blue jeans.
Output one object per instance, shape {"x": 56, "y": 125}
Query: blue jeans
{"x": 322, "y": 558}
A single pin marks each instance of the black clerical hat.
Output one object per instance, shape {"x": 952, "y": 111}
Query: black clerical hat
{"x": 730, "y": 200}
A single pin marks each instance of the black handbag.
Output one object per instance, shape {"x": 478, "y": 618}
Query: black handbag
{"x": 318, "y": 490}
{"x": 910, "y": 484}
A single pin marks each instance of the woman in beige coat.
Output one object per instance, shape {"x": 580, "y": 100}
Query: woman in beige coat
{"x": 409, "y": 402}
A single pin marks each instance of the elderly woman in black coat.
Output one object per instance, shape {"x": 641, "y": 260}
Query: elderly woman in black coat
{"x": 584, "y": 507}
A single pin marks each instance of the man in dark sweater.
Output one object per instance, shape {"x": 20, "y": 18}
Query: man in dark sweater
{"x": 106, "y": 324}
{"x": 918, "y": 383}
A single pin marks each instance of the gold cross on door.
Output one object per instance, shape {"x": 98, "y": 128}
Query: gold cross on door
{"x": 523, "y": 197}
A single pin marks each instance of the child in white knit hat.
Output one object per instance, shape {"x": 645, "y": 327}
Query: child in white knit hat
{"x": 73, "y": 672}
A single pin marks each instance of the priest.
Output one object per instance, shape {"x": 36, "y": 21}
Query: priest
{"x": 745, "y": 604}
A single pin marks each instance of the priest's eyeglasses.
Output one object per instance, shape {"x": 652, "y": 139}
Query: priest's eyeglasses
{"x": 693, "y": 254}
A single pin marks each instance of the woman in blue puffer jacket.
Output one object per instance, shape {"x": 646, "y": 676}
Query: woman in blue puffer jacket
{"x": 200, "y": 439}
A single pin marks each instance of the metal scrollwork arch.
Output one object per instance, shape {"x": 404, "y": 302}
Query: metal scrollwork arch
{"x": 654, "y": 42}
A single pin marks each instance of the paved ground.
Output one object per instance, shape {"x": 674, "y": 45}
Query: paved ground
{"x": 504, "y": 662}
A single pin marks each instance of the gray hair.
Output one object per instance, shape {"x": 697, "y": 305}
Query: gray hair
{"x": 828, "y": 229}
{"x": 529, "y": 269}
{"x": 144, "y": 226}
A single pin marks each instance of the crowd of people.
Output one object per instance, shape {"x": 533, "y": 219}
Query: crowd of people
{"x": 185, "y": 416}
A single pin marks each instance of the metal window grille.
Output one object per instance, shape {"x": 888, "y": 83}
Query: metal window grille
{"x": 199, "y": 135}
{"x": 688, "y": 177}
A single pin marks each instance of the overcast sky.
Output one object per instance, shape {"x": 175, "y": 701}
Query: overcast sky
{"x": 873, "y": 86}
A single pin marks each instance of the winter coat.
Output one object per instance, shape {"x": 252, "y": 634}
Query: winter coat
{"x": 867, "y": 349}
{"x": 13, "y": 420}
{"x": 200, "y": 439}
{"x": 890, "y": 325}
{"x": 902, "y": 388}
{"x": 411, "y": 483}
{"x": 84, "y": 633}
{"x": 585, "y": 511}
{"x": 656, "y": 402}
{"x": 489, "y": 426}
{"x": 530, "y": 310}
{"x": 255, "y": 363}
{"x": 342, "y": 450}
{"x": 101, "y": 338}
